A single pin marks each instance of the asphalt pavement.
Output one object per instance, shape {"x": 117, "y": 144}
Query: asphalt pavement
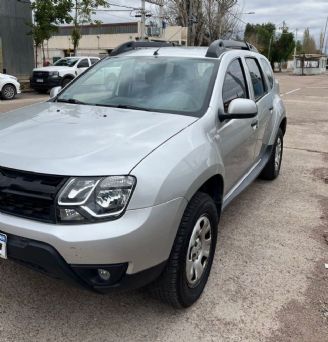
{"x": 268, "y": 282}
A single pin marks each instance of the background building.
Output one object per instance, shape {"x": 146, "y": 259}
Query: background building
{"x": 100, "y": 40}
{"x": 16, "y": 46}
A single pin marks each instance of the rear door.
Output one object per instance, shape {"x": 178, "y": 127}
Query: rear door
{"x": 262, "y": 95}
{"x": 237, "y": 136}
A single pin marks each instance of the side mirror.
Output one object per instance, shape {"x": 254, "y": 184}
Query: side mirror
{"x": 240, "y": 109}
{"x": 54, "y": 92}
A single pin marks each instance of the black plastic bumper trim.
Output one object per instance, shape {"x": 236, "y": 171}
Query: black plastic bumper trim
{"x": 44, "y": 258}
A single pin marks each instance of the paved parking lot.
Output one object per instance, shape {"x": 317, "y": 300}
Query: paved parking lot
{"x": 268, "y": 281}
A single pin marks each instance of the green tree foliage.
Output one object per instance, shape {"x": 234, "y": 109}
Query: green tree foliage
{"x": 82, "y": 14}
{"x": 276, "y": 47}
{"x": 309, "y": 44}
{"x": 260, "y": 35}
{"x": 283, "y": 47}
{"x": 48, "y": 14}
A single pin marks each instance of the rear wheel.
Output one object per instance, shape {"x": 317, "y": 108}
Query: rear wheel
{"x": 190, "y": 262}
{"x": 272, "y": 169}
{"x": 8, "y": 92}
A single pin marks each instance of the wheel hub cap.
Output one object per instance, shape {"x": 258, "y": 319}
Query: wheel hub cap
{"x": 278, "y": 154}
{"x": 198, "y": 251}
{"x": 9, "y": 92}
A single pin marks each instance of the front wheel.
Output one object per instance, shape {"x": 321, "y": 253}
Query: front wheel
{"x": 190, "y": 262}
{"x": 272, "y": 168}
{"x": 8, "y": 92}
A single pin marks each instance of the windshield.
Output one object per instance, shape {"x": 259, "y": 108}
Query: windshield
{"x": 162, "y": 84}
{"x": 67, "y": 62}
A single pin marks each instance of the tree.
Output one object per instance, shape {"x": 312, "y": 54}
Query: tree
{"x": 283, "y": 47}
{"x": 261, "y": 36}
{"x": 48, "y": 14}
{"x": 309, "y": 44}
{"x": 211, "y": 19}
{"x": 82, "y": 14}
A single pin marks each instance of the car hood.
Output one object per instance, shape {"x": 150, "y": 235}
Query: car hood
{"x": 53, "y": 68}
{"x": 80, "y": 140}
{"x": 6, "y": 76}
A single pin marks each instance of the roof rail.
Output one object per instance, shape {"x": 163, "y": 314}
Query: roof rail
{"x": 219, "y": 46}
{"x": 128, "y": 46}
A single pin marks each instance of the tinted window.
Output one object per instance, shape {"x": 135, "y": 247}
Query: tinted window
{"x": 67, "y": 62}
{"x": 257, "y": 78}
{"x": 234, "y": 84}
{"x": 268, "y": 71}
{"x": 94, "y": 60}
{"x": 83, "y": 64}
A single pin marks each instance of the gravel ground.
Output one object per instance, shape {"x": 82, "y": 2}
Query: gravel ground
{"x": 268, "y": 281}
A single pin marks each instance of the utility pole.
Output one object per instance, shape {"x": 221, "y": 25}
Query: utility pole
{"x": 143, "y": 19}
{"x": 324, "y": 37}
{"x": 190, "y": 22}
{"x": 295, "y": 50}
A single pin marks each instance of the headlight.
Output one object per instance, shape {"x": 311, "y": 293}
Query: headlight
{"x": 95, "y": 198}
{"x": 54, "y": 74}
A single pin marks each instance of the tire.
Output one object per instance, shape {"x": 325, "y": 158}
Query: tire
{"x": 272, "y": 168}
{"x": 65, "y": 81}
{"x": 8, "y": 92}
{"x": 174, "y": 286}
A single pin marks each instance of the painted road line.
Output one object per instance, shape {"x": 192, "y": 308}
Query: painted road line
{"x": 293, "y": 91}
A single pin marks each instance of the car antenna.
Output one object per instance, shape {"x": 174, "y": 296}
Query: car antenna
{"x": 156, "y": 52}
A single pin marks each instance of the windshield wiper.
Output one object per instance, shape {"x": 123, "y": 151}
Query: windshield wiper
{"x": 74, "y": 101}
{"x": 123, "y": 106}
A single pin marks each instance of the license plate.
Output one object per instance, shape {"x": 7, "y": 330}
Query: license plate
{"x": 39, "y": 80}
{"x": 3, "y": 246}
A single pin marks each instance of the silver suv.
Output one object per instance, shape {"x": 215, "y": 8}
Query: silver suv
{"x": 120, "y": 179}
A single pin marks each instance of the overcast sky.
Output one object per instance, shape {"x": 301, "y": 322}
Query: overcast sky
{"x": 298, "y": 14}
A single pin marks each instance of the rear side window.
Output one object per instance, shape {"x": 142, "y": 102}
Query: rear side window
{"x": 235, "y": 85}
{"x": 257, "y": 78}
{"x": 268, "y": 71}
{"x": 94, "y": 60}
{"x": 84, "y": 63}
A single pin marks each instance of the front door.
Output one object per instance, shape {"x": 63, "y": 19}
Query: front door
{"x": 82, "y": 66}
{"x": 237, "y": 137}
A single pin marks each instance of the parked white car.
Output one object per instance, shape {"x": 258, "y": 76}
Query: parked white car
{"x": 9, "y": 87}
{"x": 61, "y": 73}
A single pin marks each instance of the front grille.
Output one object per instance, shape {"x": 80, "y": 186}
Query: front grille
{"x": 40, "y": 74}
{"x": 29, "y": 195}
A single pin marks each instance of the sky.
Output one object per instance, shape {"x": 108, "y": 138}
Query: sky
{"x": 298, "y": 14}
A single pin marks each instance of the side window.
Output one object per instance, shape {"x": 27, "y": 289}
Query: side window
{"x": 84, "y": 63}
{"x": 94, "y": 60}
{"x": 235, "y": 85}
{"x": 268, "y": 71}
{"x": 257, "y": 78}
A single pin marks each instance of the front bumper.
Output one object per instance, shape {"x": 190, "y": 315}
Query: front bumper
{"x": 47, "y": 83}
{"x": 135, "y": 247}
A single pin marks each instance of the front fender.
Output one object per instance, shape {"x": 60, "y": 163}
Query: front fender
{"x": 176, "y": 169}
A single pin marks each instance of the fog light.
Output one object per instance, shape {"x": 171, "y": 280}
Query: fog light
{"x": 70, "y": 215}
{"x": 104, "y": 274}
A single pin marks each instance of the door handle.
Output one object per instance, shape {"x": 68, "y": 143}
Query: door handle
{"x": 255, "y": 124}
